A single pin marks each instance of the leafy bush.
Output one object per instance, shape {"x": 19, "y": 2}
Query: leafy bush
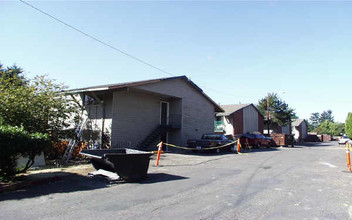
{"x": 348, "y": 125}
{"x": 59, "y": 148}
{"x": 332, "y": 128}
{"x": 16, "y": 142}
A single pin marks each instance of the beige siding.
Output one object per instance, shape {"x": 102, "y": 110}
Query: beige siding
{"x": 296, "y": 133}
{"x": 108, "y": 105}
{"x": 304, "y": 130}
{"x": 132, "y": 114}
{"x": 135, "y": 115}
{"x": 250, "y": 119}
{"x": 285, "y": 129}
{"x": 228, "y": 125}
{"x": 174, "y": 136}
{"x": 197, "y": 111}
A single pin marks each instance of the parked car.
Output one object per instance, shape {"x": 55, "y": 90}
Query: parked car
{"x": 256, "y": 140}
{"x": 209, "y": 141}
{"x": 344, "y": 139}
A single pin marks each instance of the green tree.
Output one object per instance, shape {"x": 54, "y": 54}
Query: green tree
{"x": 13, "y": 74}
{"x": 348, "y": 125}
{"x": 39, "y": 105}
{"x": 310, "y": 126}
{"x": 314, "y": 120}
{"x": 280, "y": 112}
{"x": 33, "y": 108}
{"x": 332, "y": 128}
{"x": 339, "y": 129}
{"x": 326, "y": 116}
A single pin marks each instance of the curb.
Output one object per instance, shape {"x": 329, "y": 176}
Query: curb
{"x": 25, "y": 184}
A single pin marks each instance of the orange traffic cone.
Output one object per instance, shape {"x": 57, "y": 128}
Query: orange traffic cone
{"x": 238, "y": 146}
{"x": 160, "y": 146}
{"x": 348, "y": 157}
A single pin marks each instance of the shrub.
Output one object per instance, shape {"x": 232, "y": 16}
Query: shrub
{"x": 59, "y": 148}
{"x": 16, "y": 142}
{"x": 348, "y": 125}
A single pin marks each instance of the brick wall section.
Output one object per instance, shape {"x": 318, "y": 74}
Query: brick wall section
{"x": 300, "y": 133}
{"x": 238, "y": 122}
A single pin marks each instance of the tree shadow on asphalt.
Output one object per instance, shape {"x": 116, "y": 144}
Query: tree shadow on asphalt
{"x": 59, "y": 182}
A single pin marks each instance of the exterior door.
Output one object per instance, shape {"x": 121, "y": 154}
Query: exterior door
{"x": 164, "y": 113}
{"x": 164, "y": 120}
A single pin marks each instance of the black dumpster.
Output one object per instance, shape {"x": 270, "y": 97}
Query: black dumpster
{"x": 129, "y": 164}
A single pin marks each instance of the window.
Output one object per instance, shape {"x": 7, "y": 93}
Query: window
{"x": 90, "y": 100}
{"x": 218, "y": 118}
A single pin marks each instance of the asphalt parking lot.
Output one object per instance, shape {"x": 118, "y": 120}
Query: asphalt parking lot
{"x": 305, "y": 182}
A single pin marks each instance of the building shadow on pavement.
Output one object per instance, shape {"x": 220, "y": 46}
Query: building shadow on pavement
{"x": 209, "y": 153}
{"x": 161, "y": 177}
{"x": 43, "y": 184}
{"x": 36, "y": 185}
{"x": 318, "y": 144}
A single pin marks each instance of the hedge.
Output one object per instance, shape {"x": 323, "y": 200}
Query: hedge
{"x": 16, "y": 142}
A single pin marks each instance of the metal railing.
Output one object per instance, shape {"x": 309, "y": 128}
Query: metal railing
{"x": 175, "y": 120}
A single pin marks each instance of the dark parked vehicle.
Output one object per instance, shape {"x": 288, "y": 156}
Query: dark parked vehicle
{"x": 210, "y": 141}
{"x": 256, "y": 140}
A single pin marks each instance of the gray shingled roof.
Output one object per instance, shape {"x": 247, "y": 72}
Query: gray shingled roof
{"x": 127, "y": 84}
{"x": 297, "y": 122}
{"x": 143, "y": 82}
{"x": 229, "y": 109}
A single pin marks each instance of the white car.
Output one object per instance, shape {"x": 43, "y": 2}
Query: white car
{"x": 344, "y": 140}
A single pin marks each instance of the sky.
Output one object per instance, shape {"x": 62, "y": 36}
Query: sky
{"x": 236, "y": 51}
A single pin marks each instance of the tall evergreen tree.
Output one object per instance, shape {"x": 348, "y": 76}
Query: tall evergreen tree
{"x": 279, "y": 110}
{"x": 314, "y": 120}
{"x": 326, "y": 116}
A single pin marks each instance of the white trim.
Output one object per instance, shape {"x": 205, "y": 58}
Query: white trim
{"x": 167, "y": 111}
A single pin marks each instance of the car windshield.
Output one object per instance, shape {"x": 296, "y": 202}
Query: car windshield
{"x": 251, "y": 136}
